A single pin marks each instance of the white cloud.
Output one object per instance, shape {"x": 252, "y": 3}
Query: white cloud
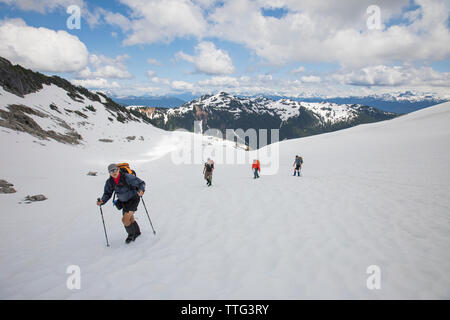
{"x": 298, "y": 70}
{"x": 41, "y": 49}
{"x": 162, "y": 21}
{"x": 118, "y": 20}
{"x": 310, "y": 31}
{"x": 319, "y": 31}
{"x": 161, "y": 80}
{"x": 96, "y": 83}
{"x": 265, "y": 77}
{"x": 382, "y": 75}
{"x": 153, "y": 62}
{"x": 224, "y": 82}
{"x": 106, "y": 68}
{"x": 85, "y": 73}
{"x": 182, "y": 85}
{"x": 151, "y": 73}
{"x": 110, "y": 71}
{"x": 310, "y": 79}
{"x": 209, "y": 59}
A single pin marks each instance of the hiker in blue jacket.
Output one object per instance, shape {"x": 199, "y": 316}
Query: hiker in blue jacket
{"x": 128, "y": 189}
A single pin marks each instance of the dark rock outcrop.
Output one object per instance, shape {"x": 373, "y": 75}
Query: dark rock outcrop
{"x": 17, "y": 118}
{"x": 6, "y": 187}
{"x": 39, "y": 197}
{"x": 21, "y": 81}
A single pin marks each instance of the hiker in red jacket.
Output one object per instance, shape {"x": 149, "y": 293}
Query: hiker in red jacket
{"x": 256, "y": 167}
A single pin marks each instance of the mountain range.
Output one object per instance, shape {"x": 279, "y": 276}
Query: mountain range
{"x": 398, "y": 102}
{"x": 293, "y": 118}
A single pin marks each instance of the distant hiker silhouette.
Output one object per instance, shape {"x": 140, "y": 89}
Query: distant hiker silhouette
{"x": 298, "y": 162}
{"x": 208, "y": 169}
{"x": 256, "y": 167}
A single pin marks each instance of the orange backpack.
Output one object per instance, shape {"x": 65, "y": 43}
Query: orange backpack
{"x": 125, "y": 168}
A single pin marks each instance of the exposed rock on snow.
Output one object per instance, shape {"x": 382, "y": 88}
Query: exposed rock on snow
{"x": 19, "y": 118}
{"x": 39, "y": 197}
{"x": 91, "y": 173}
{"x": 6, "y": 187}
{"x": 51, "y": 107}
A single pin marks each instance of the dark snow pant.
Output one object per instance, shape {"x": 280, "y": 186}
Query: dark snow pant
{"x": 255, "y": 173}
{"x": 208, "y": 177}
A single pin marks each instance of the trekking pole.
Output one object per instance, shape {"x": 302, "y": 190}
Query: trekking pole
{"x": 145, "y": 207}
{"x": 104, "y": 228}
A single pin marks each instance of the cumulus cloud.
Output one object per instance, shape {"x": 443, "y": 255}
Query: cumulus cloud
{"x": 105, "y": 67}
{"x": 393, "y": 76}
{"x": 298, "y": 70}
{"x": 265, "y": 77}
{"x": 41, "y": 49}
{"x": 310, "y": 30}
{"x": 151, "y": 73}
{"x": 85, "y": 73}
{"x": 156, "y": 21}
{"x": 117, "y": 19}
{"x": 161, "y": 80}
{"x": 153, "y": 62}
{"x": 209, "y": 59}
{"x": 319, "y": 31}
{"x": 182, "y": 85}
{"x": 223, "y": 82}
{"x": 310, "y": 79}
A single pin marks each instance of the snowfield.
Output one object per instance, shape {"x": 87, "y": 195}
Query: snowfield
{"x": 375, "y": 194}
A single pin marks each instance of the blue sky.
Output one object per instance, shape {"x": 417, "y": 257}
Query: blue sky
{"x": 282, "y": 47}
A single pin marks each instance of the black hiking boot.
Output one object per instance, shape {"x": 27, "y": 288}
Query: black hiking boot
{"x": 130, "y": 231}
{"x": 137, "y": 231}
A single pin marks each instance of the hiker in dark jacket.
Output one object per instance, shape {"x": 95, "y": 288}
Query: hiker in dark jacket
{"x": 298, "y": 165}
{"x": 208, "y": 169}
{"x": 128, "y": 189}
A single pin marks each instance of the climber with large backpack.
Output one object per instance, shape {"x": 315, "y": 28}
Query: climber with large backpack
{"x": 208, "y": 169}
{"x": 298, "y": 164}
{"x": 129, "y": 189}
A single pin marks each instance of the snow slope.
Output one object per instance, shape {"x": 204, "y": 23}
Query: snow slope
{"x": 374, "y": 194}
